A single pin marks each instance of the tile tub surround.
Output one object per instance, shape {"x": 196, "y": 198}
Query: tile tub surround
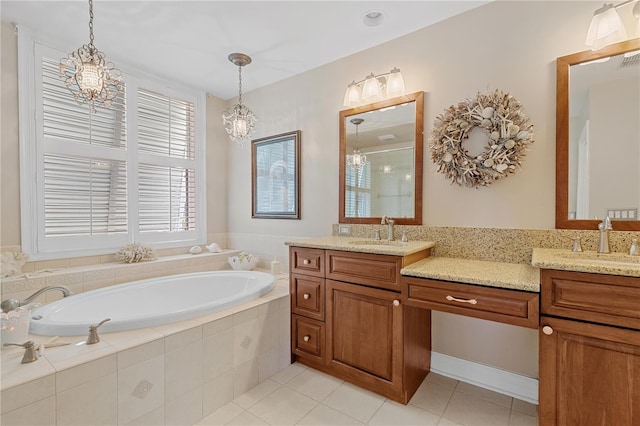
{"x": 495, "y": 244}
{"x": 175, "y": 374}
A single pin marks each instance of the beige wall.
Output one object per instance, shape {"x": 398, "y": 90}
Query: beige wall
{"x": 506, "y": 45}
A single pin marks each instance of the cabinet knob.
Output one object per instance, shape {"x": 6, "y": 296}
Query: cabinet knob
{"x": 306, "y": 296}
{"x": 306, "y": 338}
{"x": 306, "y": 261}
{"x": 547, "y": 330}
{"x": 396, "y": 302}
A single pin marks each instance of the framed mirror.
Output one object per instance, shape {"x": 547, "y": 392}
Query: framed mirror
{"x": 381, "y": 146}
{"x": 598, "y": 138}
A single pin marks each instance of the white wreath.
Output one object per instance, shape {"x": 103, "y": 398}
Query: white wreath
{"x": 508, "y": 130}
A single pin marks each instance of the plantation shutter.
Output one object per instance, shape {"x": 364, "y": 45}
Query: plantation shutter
{"x": 166, "y": 170}
{"x": 84, "y": 163}
{"x": 358, "y": 192}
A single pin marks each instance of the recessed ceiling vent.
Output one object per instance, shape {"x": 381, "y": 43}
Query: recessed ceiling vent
{"x": 387, "y": 138}
{"x": 631, "y": 59}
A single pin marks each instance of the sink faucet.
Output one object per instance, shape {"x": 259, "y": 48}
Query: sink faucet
{"x": 11, "y": 304}
{"x": 603, "y": 243}
{"x": 388, "y": 221}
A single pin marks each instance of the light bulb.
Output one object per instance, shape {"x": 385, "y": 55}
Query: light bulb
{"x": 90, "y": 77}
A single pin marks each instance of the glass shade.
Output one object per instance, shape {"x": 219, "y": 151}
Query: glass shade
{"x": 371, "y": 90}
{"x": 606, "y": 28}
{"x": 395, "y": 83}
{"x": 352, "y": 95}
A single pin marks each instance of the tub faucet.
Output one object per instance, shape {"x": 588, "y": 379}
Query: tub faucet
{"x": 603, "y": 242}
{"x": 388, "y": 221}
{"x": 11, "y": 304}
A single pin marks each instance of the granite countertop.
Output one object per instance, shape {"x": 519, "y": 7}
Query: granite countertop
{"x": 364, "y": 245}
{"x": 587, "y": 261}
{"x": 512, "y": 276}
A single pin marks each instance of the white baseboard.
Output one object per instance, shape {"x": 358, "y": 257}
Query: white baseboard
{"x": 505, "y": 382}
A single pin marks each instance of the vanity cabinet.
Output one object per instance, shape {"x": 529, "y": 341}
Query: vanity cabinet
{"x": 589, "y": 349}
{"x": 347, "y": 320}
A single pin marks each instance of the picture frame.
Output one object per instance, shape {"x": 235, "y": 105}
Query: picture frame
{"x": 275, "y": 176}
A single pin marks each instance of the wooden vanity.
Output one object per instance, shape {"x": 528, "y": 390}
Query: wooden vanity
{"x": 347, "y": 320}
{"x": 589, "y": 349}
{"x": 355, "y": 317}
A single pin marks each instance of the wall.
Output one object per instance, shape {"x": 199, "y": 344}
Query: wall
{"x": 506, "y": 45}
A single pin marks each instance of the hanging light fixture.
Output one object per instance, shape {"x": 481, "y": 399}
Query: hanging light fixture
{"x": 91, "y": 79}
{"x": 357, "y": 160}
{"x": 607, "y": 27}
{"x": 239, "y": 121}
{"x": 374, "y": 88}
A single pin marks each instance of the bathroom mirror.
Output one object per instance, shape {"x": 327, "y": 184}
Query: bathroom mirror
{"x": 381, "y": 147}
{"x": 598, "y": 137}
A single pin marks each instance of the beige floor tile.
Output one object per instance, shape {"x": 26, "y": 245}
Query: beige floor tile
{"x": 322, "y": 415}
{"x": 253, "y": 396}
{"x": 222, "y": 415}
{"x": 441, "y": 380}
{"x": 485, "y": 394}
{"x": 471, "y": 411}
{"x": 288, "y": 373}
{"x": 524, "y": 407}
{"x": 354, "y": 401}
{"x": 247, "y": 419}
{"x": 432, "y": 396}
{"x": 392, "y": 413}
{"x": 314, "y": 384}
{"x": 283, "y": 407}
{"x": 521, "y": 419}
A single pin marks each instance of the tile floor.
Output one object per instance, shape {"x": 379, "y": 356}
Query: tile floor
{"x": 303, "y": 396}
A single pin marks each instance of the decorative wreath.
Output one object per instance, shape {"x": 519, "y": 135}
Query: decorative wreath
{"x": 508, "y": 130}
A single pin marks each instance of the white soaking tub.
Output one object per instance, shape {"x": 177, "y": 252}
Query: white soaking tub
{"x": 150, "y": 302}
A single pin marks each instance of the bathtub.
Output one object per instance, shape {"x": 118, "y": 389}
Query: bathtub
{"x": 150, "y": 302}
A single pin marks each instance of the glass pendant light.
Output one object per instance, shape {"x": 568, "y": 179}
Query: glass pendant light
{"x": 239, "y": 121}
{"x": 357, "y": 160}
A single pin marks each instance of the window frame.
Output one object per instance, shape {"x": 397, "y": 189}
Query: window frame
{"x": 30, "y": 54}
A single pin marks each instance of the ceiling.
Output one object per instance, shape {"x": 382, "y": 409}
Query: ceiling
{"x": 189, "y": 41}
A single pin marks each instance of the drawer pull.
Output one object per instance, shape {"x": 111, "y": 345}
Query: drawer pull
{"x": 454, "y": 299}
{"x": 306, "y": 261}
{"x": 306, "y": 338}
{"x": 396, "y": 303}
{"x": 547, "y": 330}
{"x": 306, "y": 296}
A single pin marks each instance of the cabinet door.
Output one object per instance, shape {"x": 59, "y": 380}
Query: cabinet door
{"x": 589, "y": 374}
{"x": 364, "y": 335}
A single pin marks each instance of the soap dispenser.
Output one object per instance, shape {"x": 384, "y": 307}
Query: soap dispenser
{"x": 275, "y": 266}
{"x": 634, "y": 250}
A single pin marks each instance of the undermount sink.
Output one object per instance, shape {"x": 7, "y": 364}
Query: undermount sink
{"x": 603, "y": 258}
{"x": 377, "y": 243}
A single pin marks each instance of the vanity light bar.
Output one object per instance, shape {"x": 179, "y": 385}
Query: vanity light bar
{"x": 374, "y": 88}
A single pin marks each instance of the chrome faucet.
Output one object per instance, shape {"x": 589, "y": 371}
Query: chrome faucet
{"x": 388, "y": 221}
{"x": 603, "y": 243}
{"x": 11, "y": 304}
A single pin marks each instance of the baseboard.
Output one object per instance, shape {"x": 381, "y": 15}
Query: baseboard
{"x": 495, "y": 379}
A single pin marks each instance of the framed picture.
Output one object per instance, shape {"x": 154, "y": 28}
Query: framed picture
{"x": 275, "y": 176}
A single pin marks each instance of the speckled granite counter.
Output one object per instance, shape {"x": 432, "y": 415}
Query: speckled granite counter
{"x": 513, "y": 276}
{"x": 364, "y": 245}
{"x": 588, "y": 261}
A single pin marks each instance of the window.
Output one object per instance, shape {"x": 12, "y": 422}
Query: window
{"x": 93, "y": 182}
{"x": 358, "y": 191}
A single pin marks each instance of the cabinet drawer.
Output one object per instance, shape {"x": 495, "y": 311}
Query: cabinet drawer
{"x": 307, "y": 296}
{"x": 307, "y": 261}
{"x": 605, "y": 299}
{"x": 374, "y": 270}
{"x": 307, "y": 337}
{"x": 494, "y": 304}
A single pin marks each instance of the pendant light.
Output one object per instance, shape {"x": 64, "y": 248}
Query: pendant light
{"x": 239, "y": 121}
{"x": 91, "y": 79}
{"x": 357, "y": 160}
